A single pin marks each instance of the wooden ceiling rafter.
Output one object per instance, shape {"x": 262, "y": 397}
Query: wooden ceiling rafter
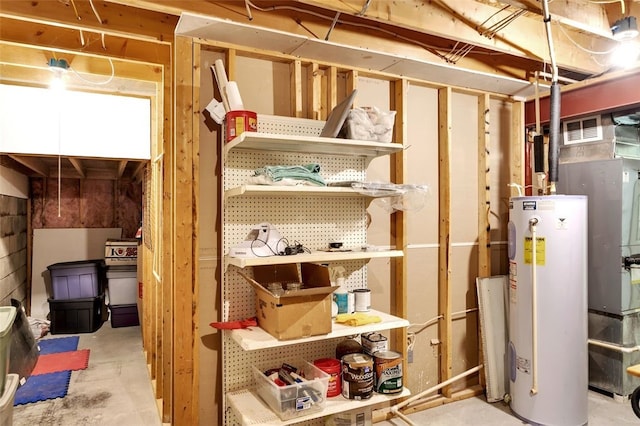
{"x": 32, "y": 163}
{"x": 77, "y": 164}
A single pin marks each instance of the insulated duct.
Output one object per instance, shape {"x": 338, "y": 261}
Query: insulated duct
{"x": 554, "y": 119}
{"x": 554, "y": 133}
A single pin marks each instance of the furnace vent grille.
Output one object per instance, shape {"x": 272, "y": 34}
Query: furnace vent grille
{"x": 588, "y": 129}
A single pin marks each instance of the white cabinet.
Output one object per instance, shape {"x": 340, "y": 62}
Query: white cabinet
{"x": 308, "y": 215}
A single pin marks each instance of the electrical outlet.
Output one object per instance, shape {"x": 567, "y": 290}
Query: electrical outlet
{"x": 410, "y": 356}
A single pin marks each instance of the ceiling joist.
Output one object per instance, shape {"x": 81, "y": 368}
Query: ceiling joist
{"x": 36, "y": 165}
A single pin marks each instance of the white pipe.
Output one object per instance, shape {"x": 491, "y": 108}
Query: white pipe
{"x": 395, "y": 408}
{"x": 534, "y": 308}
{"x": 547, "y": 26}
{"x": 613, "y": 346}
{"x": 560, "y": 78}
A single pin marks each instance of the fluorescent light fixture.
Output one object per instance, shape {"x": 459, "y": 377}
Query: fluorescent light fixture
{"x": 625, "y": 28}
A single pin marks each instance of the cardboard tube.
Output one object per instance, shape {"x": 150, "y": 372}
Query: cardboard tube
{"x": 221, "y": 80}
{"x": 233, "y": 96}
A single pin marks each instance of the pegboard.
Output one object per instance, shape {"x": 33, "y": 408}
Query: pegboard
{"x": 311, "y": 220}
{"x": 279, "y": 125}
{"x": 242, "y": 164}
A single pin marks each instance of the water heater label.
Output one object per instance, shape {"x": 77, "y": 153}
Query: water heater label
{"x": 540, "y": 250}
{"x": 523, "y": 364}
{"x": 528, "y": 205}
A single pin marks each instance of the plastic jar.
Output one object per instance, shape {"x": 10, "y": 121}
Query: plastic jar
{"x": 333, "y": 367}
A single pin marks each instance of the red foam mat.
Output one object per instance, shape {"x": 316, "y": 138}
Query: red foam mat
{"x": 61, "y": 361}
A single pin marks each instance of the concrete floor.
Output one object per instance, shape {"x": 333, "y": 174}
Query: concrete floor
{"x": 115, "y": 389}
{"x": 603, "y": 411}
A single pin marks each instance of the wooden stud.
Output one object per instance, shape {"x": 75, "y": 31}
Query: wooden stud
{"x": 231, "y": 59}
{"x": 444, "y": 236}
{"x": 195, "y": 241}
{"x": 314, "y": 85}
{"x": 484, "y": 190}
{"x": 398, "y": 225}
{"x": 484, "y": 204}
{"x": 187, "y": 56}
{"x": 518, "y": 139}
{"x": 164, "y": 296}
{"x": 295, "y": 77}
{"x": 352, "y": 84}
{"x": 332, "y": 89}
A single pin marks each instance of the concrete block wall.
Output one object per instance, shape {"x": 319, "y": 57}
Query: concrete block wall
{"x": 13, "y": 249}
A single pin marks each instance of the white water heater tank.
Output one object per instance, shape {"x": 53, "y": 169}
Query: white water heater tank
{"x": 548, "y": 358}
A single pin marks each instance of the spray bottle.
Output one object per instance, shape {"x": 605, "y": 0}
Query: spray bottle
{"x": 340, "y": 296}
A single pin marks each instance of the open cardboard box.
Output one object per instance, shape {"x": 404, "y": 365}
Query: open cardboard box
{"x": 295, "y": 314}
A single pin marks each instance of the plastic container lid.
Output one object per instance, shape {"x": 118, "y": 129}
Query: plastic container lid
{"x": 7, "y": 316}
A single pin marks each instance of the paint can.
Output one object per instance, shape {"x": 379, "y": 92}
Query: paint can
{"x": 240, "y": 121}
{"x": 363, "y": 299}
{"x": 333, "y": 368}
{"x": 357, "y": 376}
{"x": 388, "y": 368}
{"x": 374, "y": 342}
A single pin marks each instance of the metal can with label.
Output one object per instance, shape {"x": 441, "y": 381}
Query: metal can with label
{"x": 357, "y": 376}
{"x": 388, "y": 367}
{"x": 373, "y": 342}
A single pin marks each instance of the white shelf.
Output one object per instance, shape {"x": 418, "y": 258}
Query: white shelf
{"x": 311, "y": 144}
{"x": 255, "y": 338}
{"x": 249, "y": 408}
{"x": 300, "y": 190}
{"x": 314, "y": 256}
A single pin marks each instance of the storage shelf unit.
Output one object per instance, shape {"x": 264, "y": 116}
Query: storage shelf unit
{"x": 314, "y": 256}
{"x": 311, "y": 144}
{"x": 254, "y": 190}
{"x": 251, "y": 410}
{"x": 313, "y": 216}
{"x": 256, "y": 338}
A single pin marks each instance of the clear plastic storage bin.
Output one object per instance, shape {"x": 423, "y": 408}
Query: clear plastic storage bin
{"x": 298, "y": 399}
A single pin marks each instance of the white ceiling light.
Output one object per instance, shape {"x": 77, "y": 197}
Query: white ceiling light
{"x": 59, "y": 68}
{"x": 625, "y": 28}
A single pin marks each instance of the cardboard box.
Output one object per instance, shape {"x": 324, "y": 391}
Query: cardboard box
{"x": 121, "y": 251}
{"x": 360, "y": 417}
{"x": 294, "y": 314}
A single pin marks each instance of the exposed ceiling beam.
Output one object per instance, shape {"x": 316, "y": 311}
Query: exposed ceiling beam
{"x": 138, "y": 171}
{"x": 35, "y": 164}
{"x": 115, "y": 20}
{"x": 121, "y": 166}
{"x": 459, "y": 21}
{"x": 52, "y": 39}
{"x": 77, "y": 164}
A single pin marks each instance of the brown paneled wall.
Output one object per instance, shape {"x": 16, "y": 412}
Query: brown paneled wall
{"x": 87, "y": 203}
